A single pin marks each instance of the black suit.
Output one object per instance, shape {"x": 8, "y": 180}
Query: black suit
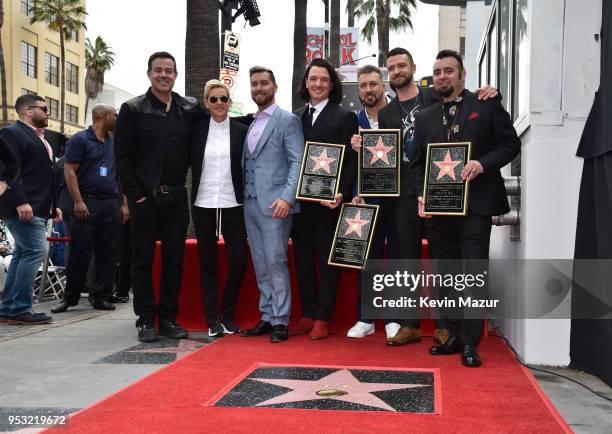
{"x": 494, "y": 144}
{"x": 232, "y": 224}
{"x": 35, "y": 181}
{"x": 313, "y": 228}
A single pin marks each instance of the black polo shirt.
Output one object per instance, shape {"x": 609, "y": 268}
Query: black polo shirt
{"x": 95, "y": 159}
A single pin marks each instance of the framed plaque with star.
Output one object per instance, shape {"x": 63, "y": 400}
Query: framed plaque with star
{"x": 353, "y": 236}
{"x": 320, "y": 172}
{"x": 445, "y": 193}
{"x": 379, "y": 167}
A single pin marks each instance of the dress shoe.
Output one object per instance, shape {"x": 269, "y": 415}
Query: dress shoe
{"x": 146, "y": 332}
{"x": 361, "y": 330}
{"x": 440, "y": 336}
{"x": 63, "y": 306}
{"x": 280, "y": 333}
{"x": 170, "y": 329}
{"x": 118, "y": 299}
{"x": 451, "y": 346}
{"x": 102, "y": 305}
{"x": 30, "y": 318}
{"x": 229, "y": 326}
{"x": 215, "y": 330}
{"x": 470, "y": 356}
{"x": 406, "y": 335}
{"x": 392, "y": 329}
{"x": 320, "y": 330}
{"x": 303, "y": 326}
{"x": 262, "y": 328}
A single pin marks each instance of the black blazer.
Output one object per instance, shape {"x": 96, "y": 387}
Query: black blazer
{"x": 336, "y": 125}
{"x": 238, "y": 134}
{"x": 390, "y": 117}
{"x": 494, "y": 144}
{"x": 35, "y": 182}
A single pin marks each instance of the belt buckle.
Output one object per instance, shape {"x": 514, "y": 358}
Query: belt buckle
{"x": 164, "y": 189}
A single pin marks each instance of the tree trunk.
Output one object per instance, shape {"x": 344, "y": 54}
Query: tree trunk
{"x": 86, "y": 107}
{"x": 334, "y": 33}
{"x": 3, "y": 70}
{"x": 299, "y": 51}
{"x": 201, "y": 45}
{"x": 62, "y": 80}
{"x": 382, "y": 29}
{"x": 350, "y": 7}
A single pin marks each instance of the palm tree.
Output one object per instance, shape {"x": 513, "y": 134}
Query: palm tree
{"x": 64, "y": 16}
{"x": 3, "y": 70}
{"x": 98, "y": 59}
{"x": 201, "y": 45}
{"x": 334, "y": 33}
{"x": 299, "y": 50}
{"x": 350, "y": 10}
{"x": 378, "y": 15}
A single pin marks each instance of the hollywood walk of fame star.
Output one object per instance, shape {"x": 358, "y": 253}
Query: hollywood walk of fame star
{"x": 379, "y": 152}
{"x": 322, "y": 161}
{"x": 340, "y": 385}
{"x": 447, "y": 167}
{"x": 355, "y": 224}
{"x": 184, "y": 347}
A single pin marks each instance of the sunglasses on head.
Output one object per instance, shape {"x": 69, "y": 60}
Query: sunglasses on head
{"x": 214, "y": 99}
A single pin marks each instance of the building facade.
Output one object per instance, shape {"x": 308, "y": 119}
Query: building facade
{"x": 32, "y": 58}
{"x": 451, "y": 28}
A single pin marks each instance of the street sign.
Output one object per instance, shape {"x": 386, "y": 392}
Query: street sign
{"x": 231, "y": 51}
{"x": 228, "y": 77}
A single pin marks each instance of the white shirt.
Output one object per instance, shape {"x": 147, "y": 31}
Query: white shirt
{"x": 374, "y": 123}
{"x": 318, "y": 109}
{"x": 216, "y": 188}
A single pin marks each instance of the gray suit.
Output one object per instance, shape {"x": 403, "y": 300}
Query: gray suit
{"x": 270, "y": 172}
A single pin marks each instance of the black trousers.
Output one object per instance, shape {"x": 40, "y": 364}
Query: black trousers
{"x": 312, "y": 235}
{"x": 385, "y": 234}
{"x": 460, "y": 238}
{"x": 234, "y": 234}
{"x": 164, "y": 218}
{"x": 96, "y": 235}
{"x": 123, "y": 278}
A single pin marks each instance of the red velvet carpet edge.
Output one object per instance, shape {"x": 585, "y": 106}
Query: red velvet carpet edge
{"x": 501, "y": 396}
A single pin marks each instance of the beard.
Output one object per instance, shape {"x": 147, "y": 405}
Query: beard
{"x": 40, "y": 122}
{"x": 370, "y": 100}
{"x": 402, "y": 82}
{"x": 445, "y": 91}
{"x": 262, "y": 99}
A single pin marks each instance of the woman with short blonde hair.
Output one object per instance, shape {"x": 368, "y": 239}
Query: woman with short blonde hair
{"x": 217, "y": 184}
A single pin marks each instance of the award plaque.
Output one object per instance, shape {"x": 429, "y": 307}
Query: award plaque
{"x": 445, "y": 193}
{"x": 354, "y": 234}
{"x": 379, "y": 165}
{"x": 320, "y": 172}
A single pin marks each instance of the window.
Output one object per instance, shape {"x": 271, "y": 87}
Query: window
{"x": 72, "y": 114}
{"x": 53, "y": 105}
{"x": 482, "y": 73}
{"x": 27, "y": 92}
{"x": 505, "y": 46}
{"x": 51, "y": 69}
{"x": 26, "y": 5}
{"x": 28, "y": 59}
{"x": 520, "y": 66}
{"x": 72, "y": 78}
{"x": 493, "y": 55}
{"x": 74, "y": 35}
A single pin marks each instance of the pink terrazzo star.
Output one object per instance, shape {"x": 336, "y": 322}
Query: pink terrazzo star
{"x": 340, "y": 385}
{"x": 322, "y": 161}
{"x": 447, "y": 167}
{"x": 379, "y": 152}
{"x": 355, "y": 224}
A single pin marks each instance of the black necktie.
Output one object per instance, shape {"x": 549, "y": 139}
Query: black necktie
{"x": 308, "y": 118}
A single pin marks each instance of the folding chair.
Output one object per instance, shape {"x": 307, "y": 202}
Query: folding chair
{"x": 51, "y": 278}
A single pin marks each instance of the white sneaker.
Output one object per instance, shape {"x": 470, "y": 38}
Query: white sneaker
{"x": 360, "y": 330}
{"x": 392, "y": 328}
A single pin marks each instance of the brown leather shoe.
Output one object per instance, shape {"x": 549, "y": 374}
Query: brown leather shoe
{"x": 406, "y": 335}
{"x": 320, "y": 330}
{"x": 440, "y": 336}
{"x": 303, "y": 326}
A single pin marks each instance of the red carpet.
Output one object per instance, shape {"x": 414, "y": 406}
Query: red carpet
{"x": 498, "y": 397}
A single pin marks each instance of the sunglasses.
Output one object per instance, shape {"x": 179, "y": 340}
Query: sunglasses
{"x": 44, "y": 109}
{"x": 214, "y": 99}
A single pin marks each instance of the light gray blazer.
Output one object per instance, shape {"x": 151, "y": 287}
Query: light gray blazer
{"x": 278, "y": 158}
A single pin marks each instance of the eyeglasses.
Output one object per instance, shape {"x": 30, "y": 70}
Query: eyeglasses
{"x": 43, "y": 108}
{"x": 213, "y": 99}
